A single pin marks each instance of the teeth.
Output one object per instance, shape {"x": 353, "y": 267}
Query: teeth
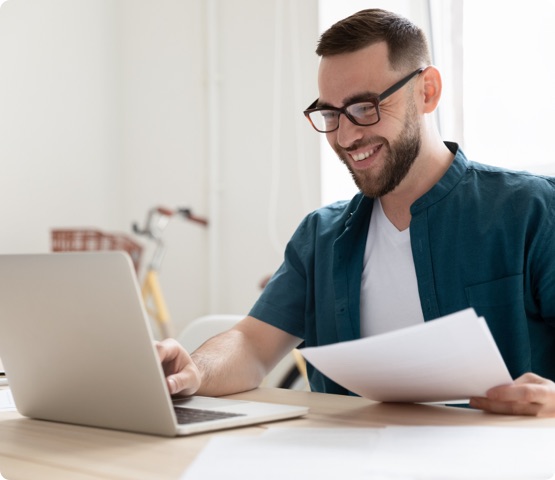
{"x": 361, "y": 156}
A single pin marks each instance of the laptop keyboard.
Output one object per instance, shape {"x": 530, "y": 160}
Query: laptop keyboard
{"x": 194, "y": 415}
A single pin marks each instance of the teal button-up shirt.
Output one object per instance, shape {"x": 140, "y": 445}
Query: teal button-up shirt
{"x": 482, "y": 237}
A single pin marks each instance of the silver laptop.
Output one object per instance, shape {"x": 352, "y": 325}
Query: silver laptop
{"x": 76, "y": 344}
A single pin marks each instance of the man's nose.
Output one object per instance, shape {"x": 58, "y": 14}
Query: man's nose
{"x": 348, "y": 133}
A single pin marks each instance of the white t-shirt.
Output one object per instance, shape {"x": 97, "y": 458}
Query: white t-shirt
{"x": 389, "y": 291}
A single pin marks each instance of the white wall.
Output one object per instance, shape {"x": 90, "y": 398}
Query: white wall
{"x": 164, "y": 137}
{"x": 59, "y": 128}
{"x": 264, "y": 196}
{"x": 103, "y": 114}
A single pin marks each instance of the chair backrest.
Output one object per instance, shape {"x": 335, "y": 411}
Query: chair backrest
{"x": 203, "y": 328}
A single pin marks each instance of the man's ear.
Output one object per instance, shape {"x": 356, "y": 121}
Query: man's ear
{"x": 431, "y": 88}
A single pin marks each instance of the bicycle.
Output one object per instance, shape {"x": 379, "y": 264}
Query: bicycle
{"x": 156, "y": 221}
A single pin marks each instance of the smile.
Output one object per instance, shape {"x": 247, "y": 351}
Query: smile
{"x": 358, "y": 157}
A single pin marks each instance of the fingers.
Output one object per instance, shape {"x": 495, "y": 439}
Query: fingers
{"x": 529, "y": 388}
{"x": 182, "y": 375}
{"x": 168, "y": 349}
{"x": 185, "y": 382}
{"x": 530, "y": 394}
{"x": 532, "y": 378}
{"x": 505, "y": 408}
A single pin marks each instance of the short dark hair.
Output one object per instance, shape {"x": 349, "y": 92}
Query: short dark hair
{"x": 406, "y": 43}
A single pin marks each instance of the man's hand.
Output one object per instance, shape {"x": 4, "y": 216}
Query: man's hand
{"x": 530, "y": 394}
{"x": 182, "y": 375}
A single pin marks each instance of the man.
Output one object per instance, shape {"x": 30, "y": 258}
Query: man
{"x": 430, "y": 234}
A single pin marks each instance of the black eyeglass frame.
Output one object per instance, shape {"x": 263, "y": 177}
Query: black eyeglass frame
{"x": 376, "y": 100}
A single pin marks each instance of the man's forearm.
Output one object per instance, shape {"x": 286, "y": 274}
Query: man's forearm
{"x": 227, "y": 365}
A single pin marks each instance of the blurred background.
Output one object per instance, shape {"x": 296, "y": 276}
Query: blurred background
{"x": 111, "y": 107}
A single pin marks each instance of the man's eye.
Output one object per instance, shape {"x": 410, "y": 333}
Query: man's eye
{"x": 362, "y": 109}
{"x": 329, "y": 114}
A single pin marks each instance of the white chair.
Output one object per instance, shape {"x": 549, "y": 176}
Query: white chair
{"x": 284, "y": 375}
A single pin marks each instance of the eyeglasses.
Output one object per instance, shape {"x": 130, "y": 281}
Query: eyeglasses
{"x": 363, "y": 114}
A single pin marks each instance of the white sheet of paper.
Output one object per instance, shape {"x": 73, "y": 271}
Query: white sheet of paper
{"x": 451, "y": 358}
{"x": 391, "y": 453}
{"x": 6, "y": 401}
{"x": 464, "y": 453}
{"x": 304, "y": 453}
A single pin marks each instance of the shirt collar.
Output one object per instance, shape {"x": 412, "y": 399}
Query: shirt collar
{"x": 449, "y": 180}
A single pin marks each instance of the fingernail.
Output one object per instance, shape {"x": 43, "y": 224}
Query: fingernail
{"x": 172, "y": 385}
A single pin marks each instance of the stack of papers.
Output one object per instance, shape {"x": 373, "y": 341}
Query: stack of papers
{"x": 452, "y": 358}
{"x": 391, "y": 453}
{"x": 6, "y": 401}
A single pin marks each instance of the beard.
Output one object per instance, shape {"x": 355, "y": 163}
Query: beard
{"x": 400, "y": 156}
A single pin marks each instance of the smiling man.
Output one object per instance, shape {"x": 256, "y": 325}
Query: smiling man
{"x": 430, "y": 233}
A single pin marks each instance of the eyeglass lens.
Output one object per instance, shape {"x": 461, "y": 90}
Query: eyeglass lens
{"x": 363, "y": 113}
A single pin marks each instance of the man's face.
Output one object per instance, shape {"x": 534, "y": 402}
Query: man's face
{"x": 378, "y": 156}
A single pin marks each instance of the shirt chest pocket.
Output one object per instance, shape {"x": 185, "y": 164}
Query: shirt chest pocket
{"x": 497, "y": 293}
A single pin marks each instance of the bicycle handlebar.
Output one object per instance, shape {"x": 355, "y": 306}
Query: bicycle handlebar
{"x": 186, "y": 212}
{"x": 164, "y": 212}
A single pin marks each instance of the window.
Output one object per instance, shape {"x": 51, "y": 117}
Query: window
{"x": 509, "y": 73}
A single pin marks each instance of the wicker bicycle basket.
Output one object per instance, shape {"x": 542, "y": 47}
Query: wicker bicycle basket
{"x": 79, "y": 240}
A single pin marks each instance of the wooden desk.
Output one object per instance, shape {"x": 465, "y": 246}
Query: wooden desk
{"x": 32, "y": 449}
